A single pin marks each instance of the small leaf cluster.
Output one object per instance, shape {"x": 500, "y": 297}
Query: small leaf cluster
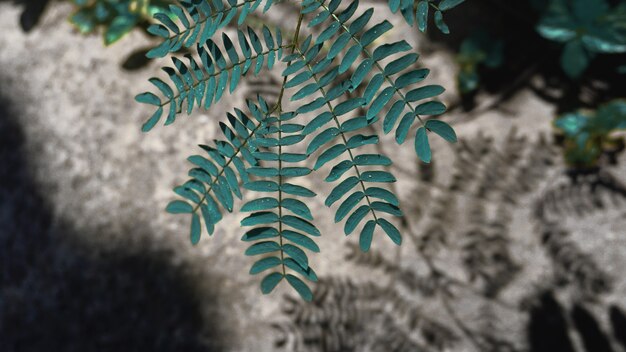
{"x": 417, "y": 11}
{"x": 341, "y": 79}
{"x": 115, "y": 18}
{"x": 586, "y": 28}
{"x": 590, "y": 134}
{"x": 478, "y": 49}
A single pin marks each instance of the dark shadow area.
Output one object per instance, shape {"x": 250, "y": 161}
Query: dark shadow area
{"x": 547, "y": 329}
{"x": 589, "y": 330}
{"x": 31, "y": 13}
{"x": 58, "y": 296}
{"x": 618, "y": 324}
{"x": 526, "y": 54}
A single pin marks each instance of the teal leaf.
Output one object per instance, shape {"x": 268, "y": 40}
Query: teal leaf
{"x": 263, "y": 217}
{"x": 375, "y": 32}
{"x": 445, "y": 5}
{"x": 264, "y": 264}
{"x": 148, "y": 98}
{"x": 300, "y": 240}
{"x": 443, "y": 27}
{"x": 300, "y": 224}
{"x": 264, "y": 203}
{"x": 574, "y": 59}
{"x": 361, "y": 140}
{"x": 300, "y": 287}
{"x": 383, "y": 194}
{"x": 386, "y": 208}
{"x": 296, "y": 190}
{"x": 348, "y": 204}
{"x": 297, "y": 254}
{"x": 422, "y": 147}
{"x": 259, "y": 233}
{"x": 365, "y": 239}
{"x": 319, "y": 121}
{"x": 329, "y": 154}
{"x": 400, "y": 64}
{"x": 194, "y": 234}
{"x": 404, "y": 126}
{"x": 387, "y": 50}
{"x": 321, "y": 139}
{"x": 377, "y": 176}
{"x": 411, "y": 77}
{"x": 307, "y": 273}
{"x": 348, "y": 105}
{"x": 338, "y": 170}
{"x": 152, "y": 121}
{"x": 391, "y": 231}
{"x": 340, "y": 190}
{"x": 392, "y": 116}
{"x": 262, "y": 248}
{"x": 262, "y": 186}
{"x": 179, "y": 207}
{"x": 424, "y": 92}
{"x": 270, "y": 281}
{"x": 422, "y": 15}
{"x": 442, "y": 129}
{"x": 430, "y": 108}
{"x": 372, "y": 159}
{"x": 297, "y": 207}
{"x": 355, "y": 218}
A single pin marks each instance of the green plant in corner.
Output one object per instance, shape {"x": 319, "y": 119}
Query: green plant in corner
{"x": 590, "y": 134}
{"x": 335, "y": 70}
{"x": 587, "y": 28}
{"x": 115, "y": 17}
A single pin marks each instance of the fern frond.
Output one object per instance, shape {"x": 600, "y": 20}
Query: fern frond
{"x": 389, "y": 202}
{"x": 285, "y": 226}
{"x": 199, "y": 21}
{"x": 207, "y": 81}
{"x": 382, "y": 87}
{"x": 216, "y": 178}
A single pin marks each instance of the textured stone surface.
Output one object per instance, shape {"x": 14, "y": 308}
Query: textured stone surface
{"x": 105, "y": 184}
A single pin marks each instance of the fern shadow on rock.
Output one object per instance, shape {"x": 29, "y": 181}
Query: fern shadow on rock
{"x": 57, "y": 296}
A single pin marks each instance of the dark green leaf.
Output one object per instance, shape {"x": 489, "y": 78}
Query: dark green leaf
{"x": 297, "y": 207}
{"x": 263, "y": 217}
{"x": 355, "y": 218}
{"x": 179, "y": 207}
{"x": 301, "y": 224}
{"x": 391, "y": 231}
{"x": 262, "y": 248}
{"x": 348, "y": 204}
{"x": 301, "y": 240}
{"x": 365, "y": 240}
{"x": 329, "y": 154}
{"x": 264, "y": 264}
{"x": 297, "y": 254}
{"x": 383, "y": 194}
{"x": 259, "y": 233}
{"x": 194, "y": 234}
{"x": 430, "y": 108}
{"x": 442, "y": 129}
{"x": 377, "y": 176}
{"x": 340, "y": 190}
{"x": 300, "y": 287}
{"x": 260, "y": 204}
{"x": 422, "y": 147}
{"x": 270, "y": 281}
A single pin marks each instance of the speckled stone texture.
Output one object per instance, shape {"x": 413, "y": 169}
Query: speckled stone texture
{"x": 496, "y": 244}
